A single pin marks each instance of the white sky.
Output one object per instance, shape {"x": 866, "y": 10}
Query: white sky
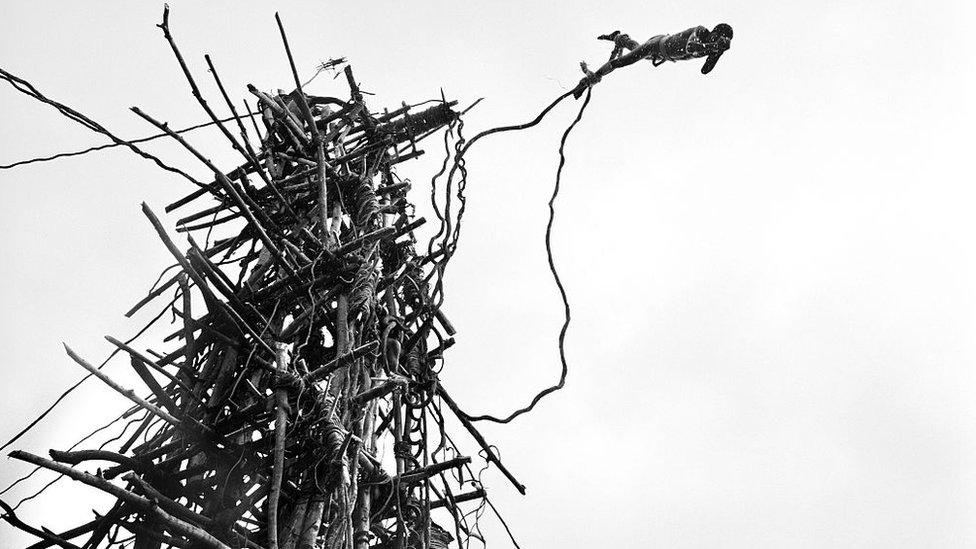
{"x": 770, "y": 267}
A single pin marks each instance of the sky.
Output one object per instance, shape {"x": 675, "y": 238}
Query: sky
{"x": 770, "y": 267}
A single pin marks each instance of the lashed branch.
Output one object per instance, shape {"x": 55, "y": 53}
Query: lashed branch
{"x": 148, "y": 506}
{"x": 127, "y": 393}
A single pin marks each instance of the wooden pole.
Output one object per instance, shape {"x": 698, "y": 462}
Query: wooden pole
{"x": 281, "y": 404}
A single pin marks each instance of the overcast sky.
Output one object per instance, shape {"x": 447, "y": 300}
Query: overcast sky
{"x": 771, "y": 267}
